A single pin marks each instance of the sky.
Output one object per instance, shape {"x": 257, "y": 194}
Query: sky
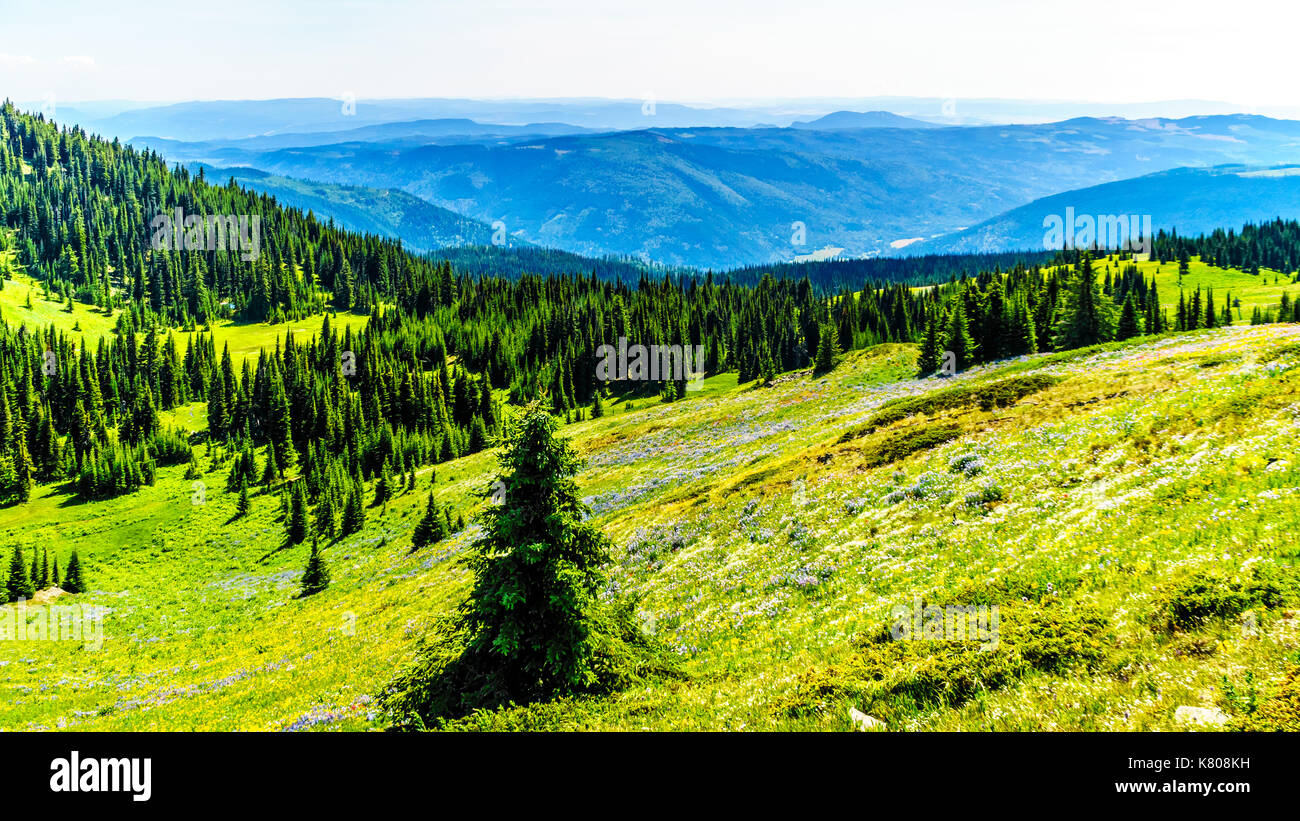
{"x": 681, "y": 50}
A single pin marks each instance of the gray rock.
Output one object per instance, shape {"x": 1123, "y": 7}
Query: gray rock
{"x": 863, "y": 723}
{"x": 1211, "y": 716}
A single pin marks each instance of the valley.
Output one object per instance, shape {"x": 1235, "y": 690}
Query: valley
{"x": 724, "y": 198}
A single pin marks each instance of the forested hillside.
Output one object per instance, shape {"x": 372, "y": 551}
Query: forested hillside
{"x": 188, "y": 469}
{"x": 722, "y": 197}
{"x": 422, "y": 382}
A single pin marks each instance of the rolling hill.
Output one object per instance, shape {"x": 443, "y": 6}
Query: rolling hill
{"x": 841, "y": 120}
{"x": 426, "y": 228}
{"x": 721, "y": 198}
{"x": 235, "y": 119}
{"x": 769, "y": 541}
{"x": 1190, "y": 200}
{"x": 385, "y": 212}
{"x": 407, "y": 134}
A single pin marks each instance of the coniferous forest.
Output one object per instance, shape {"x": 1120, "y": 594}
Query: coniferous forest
{"x": 423, "y": 382}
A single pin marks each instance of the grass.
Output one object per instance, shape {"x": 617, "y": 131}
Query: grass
{"x": 1262, "y": 290}
{"x": 90, "y": 323}
{"x": 768, "y": 549}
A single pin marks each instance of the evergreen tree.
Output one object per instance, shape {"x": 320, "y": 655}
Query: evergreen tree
{"x": 766, "y": 366}
{"x": 958, "y": 340}
{"x": 828, "y": 350}
{"x": 326, "y": 522}
{"x": 243, "y": 505}
{"x": 1129, "y": 325}
{"x": 1083, "y": 319}
{"x": 431, "y": 528}
{"x": 74, "y": 579}
{"x": 217, "y": 418}
{"x": 1155, "y": 319}
{"x": 297, "y": 525}
{"x": 354, "y": 511}
{"x": 315, "y": 576}
{"x": 384, "y": 486}
{"x": 1025, "y": 332}
{"x": 272, "y": 471}
{"x": 22, "y": 466}
{"x": 534, "y": 625}
{"x": 931, "y": 347}
{"x": 19, "y": 584}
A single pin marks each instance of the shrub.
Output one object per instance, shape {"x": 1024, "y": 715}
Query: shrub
{"x": 1279, "y": 713}
{"x": 171, "y": 447}
{"x": 1054, "y": 638}
{"x": 1192, "y": 603}
{"x": 898, "y": 678}
{"x": 899, "y": 445}
{"x": 993, "y": 395}
{"x": 967, "y": 463}
{"x": 988, "y": 494}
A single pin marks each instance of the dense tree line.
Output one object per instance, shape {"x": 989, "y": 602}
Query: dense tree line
{"x": 1076, "y": 301}
{"x": 512, "y": 262}
{"x": 84, "y": 211}
{"x": 922, "y": 269}
{"x": 23, "y": 581}
{"x": 1274, "y": 245}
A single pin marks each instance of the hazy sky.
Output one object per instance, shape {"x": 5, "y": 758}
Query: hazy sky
{"x": 689, "y": 50}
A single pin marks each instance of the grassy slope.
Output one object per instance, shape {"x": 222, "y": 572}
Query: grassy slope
{"x": 245, "y": 339}
{"x": 1262, "y": 290}
{"x": 1150, "y": 460}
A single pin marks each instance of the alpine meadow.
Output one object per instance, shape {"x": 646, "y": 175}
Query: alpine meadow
{"x": 511, "y": 402}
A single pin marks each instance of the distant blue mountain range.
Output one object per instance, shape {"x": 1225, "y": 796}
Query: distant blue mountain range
{"x": 1190, "y": 200}
{"x": 728, "y": 197}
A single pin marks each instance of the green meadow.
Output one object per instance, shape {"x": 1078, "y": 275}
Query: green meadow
{"x": 1131, "y": 509}
{"x": 1262, "y": 290}
{"x": 244, "y": 338}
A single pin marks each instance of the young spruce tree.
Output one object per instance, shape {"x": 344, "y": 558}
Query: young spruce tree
{"x": 431, "y": 528}
{"x": 828, "y": 349}
{"x": 316, "y": 576}
{"x": 74, "y": 580}
{"x": 535, "y": 625}
{"x": 354, "y": 511}
{"x": 19, "y": 583}
{"x": 244, "y": 504}
{"x": 297, "y": 526}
